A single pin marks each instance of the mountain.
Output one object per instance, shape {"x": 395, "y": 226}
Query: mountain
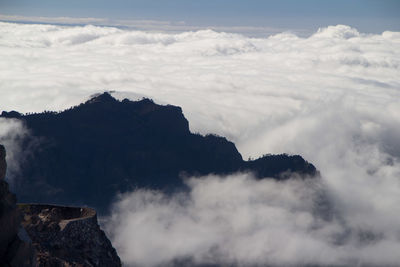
{"x": 90, "y": 152}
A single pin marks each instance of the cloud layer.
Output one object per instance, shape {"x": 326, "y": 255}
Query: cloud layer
{"x": 332, "y": 97}
{"x": 244, "y": 222}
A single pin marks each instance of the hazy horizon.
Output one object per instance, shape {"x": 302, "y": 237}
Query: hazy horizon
{"x": 371, "y": 16}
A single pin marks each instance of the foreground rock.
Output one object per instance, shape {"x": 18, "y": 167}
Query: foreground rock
{"x": 15, "y": 248}
{"x": 56, "y": 236}
{"x": 67, "y": 236}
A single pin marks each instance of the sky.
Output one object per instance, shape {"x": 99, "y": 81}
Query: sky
{"x": 366, "y": 15}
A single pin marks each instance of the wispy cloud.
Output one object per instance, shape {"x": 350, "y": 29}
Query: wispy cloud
{"x": 12, "y": 133}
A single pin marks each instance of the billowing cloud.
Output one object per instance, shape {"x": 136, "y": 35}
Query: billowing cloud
{"x": 332, "y": 97}
{"x": 240, "y": 221}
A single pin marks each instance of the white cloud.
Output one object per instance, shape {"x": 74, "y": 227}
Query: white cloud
{"x": 332, "y": 97}
{"x": 247, "y": 222}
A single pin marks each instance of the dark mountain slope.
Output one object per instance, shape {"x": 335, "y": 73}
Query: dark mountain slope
{"x": 88, "y": 153}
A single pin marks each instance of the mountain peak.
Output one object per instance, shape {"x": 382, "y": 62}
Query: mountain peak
{"x": 105, "y": 97}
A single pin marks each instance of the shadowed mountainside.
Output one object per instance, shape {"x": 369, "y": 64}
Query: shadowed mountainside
{"x": 88, "y": 153}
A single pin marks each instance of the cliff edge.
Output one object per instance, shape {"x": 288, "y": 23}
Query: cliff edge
{"x": 47, "y": 235}
{"x": 15, "y": 248}
{"x": 67, "y": 236}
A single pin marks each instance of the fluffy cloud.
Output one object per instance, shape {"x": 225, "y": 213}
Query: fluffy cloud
{"x": 235, "y": 219}
{"x": 332, "y": 97}
{"x": 245, "y": 222}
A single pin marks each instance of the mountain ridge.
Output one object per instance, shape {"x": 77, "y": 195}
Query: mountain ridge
{"x": 91, "y": 152}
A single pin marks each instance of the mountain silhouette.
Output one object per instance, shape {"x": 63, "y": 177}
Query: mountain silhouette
{"x": 87, "y": 154}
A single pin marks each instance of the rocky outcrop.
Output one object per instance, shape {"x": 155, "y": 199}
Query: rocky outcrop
{"x": 46, "y": 235}
{"x": 67, "y": 236}
{"x": 15, "y": 248}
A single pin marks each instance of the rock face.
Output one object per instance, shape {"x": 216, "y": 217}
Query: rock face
{"x": 15, "y": 250}
{"x": 89, "y": 153}
{"x": 67, "y": 236}
{"x": 56, "y": 236}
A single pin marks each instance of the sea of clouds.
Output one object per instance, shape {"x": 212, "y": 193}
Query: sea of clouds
{"x": 332, "y": 97}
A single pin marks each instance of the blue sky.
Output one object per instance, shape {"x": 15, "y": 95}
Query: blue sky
{"x": 366, "y": 15}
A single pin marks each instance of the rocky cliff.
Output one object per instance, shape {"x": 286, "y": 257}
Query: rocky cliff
{"x": 89, "y": 153}
{"x": 67, "y": 236}
{"x": 15, "y": 248}
{"x": 47, "y": 235}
